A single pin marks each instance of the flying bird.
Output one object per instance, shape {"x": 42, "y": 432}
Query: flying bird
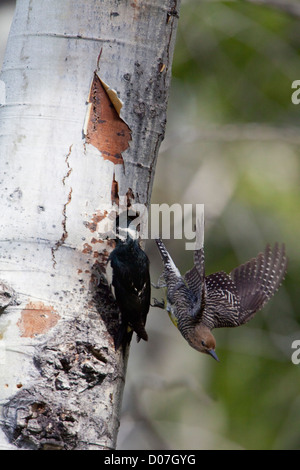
{"x": 197, "y": 303}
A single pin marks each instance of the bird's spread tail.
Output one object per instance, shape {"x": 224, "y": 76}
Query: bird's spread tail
{"x": 163, "y": 251}
{"x": 122, "y": 337}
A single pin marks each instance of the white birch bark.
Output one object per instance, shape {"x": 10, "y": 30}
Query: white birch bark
{"x": 61, "y": 381}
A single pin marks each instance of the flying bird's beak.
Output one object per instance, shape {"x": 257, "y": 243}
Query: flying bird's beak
{"x": 213, "y": 354}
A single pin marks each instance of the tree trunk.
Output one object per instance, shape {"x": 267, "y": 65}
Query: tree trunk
{"x": 84, "y": 111}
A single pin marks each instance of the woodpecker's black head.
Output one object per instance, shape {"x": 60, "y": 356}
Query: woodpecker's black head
{"x": 131, "y": 281}
{"x": 126, "y": 228}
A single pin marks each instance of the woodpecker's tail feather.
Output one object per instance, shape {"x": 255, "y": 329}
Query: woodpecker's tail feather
{"x": 258, "y": 279}
{"x": 141, "y": 335}
{"x": 167, "y": 260}
{"x": 199, "y": 262}
{"x": 195, "y": 276}
{"x": 122, "y": 337}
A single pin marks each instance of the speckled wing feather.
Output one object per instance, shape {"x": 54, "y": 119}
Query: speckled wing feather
{"x": 194, "y": 279}
{"x": 199, "y": 262}
{"x": 257, "y": 280}
{"x": 221, "y": 302}
{"x": 234, "y": 299}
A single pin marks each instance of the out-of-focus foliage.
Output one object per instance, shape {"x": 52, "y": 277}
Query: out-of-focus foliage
{"x": 232, "y": 143}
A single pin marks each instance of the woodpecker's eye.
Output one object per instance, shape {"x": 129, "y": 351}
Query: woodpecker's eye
{"x": 203, "y": 343}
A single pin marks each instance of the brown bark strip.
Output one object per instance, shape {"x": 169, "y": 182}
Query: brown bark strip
{"x": 104, "y": 128}
{"x": 115, "y": 191}
{"x": 37, "y": 318}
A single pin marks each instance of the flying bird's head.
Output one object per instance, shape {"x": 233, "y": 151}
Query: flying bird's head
{"x": 203, "y": 341}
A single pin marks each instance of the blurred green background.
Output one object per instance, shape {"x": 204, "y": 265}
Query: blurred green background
{"x": 232, "y": 143}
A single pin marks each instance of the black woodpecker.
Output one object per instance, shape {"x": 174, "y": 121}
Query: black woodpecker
{"x": 131, "y": 283}
{"x": 197, "y": 303}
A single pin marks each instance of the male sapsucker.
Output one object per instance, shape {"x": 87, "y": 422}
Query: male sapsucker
{"x": 131, "y": 283}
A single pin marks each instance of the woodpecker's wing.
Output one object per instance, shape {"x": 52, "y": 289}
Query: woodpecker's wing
{"x": 194, "y": 278}
{"x": 221, "y": 308}
{"x": 257, "y": 280}
{"x": 233, "y": 300}
{"x": 199, "y": 262}
{"x": 193, "y": 281}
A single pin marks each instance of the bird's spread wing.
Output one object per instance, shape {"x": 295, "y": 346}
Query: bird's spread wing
{"x": 166, "y": 258}
{"x": 199, "y": 262}
{"x": 257, "y": 280}
{"x": 194, "y": 279}
{"x": 234, "y": 299}
{"x": 222, "y": 302}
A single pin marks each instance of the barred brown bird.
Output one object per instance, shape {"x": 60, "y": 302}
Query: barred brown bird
{"x": 197, "y": 303}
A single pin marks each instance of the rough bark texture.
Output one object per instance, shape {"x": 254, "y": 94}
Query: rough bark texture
{"x": 61, "y": 381}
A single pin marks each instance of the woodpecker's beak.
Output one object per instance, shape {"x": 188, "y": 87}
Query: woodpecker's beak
{"x": 213, "y": 354}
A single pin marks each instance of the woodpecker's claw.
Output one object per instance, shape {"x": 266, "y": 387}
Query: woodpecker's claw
{"x": 160, "y": 283}
{"x": 158, "y": 304}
